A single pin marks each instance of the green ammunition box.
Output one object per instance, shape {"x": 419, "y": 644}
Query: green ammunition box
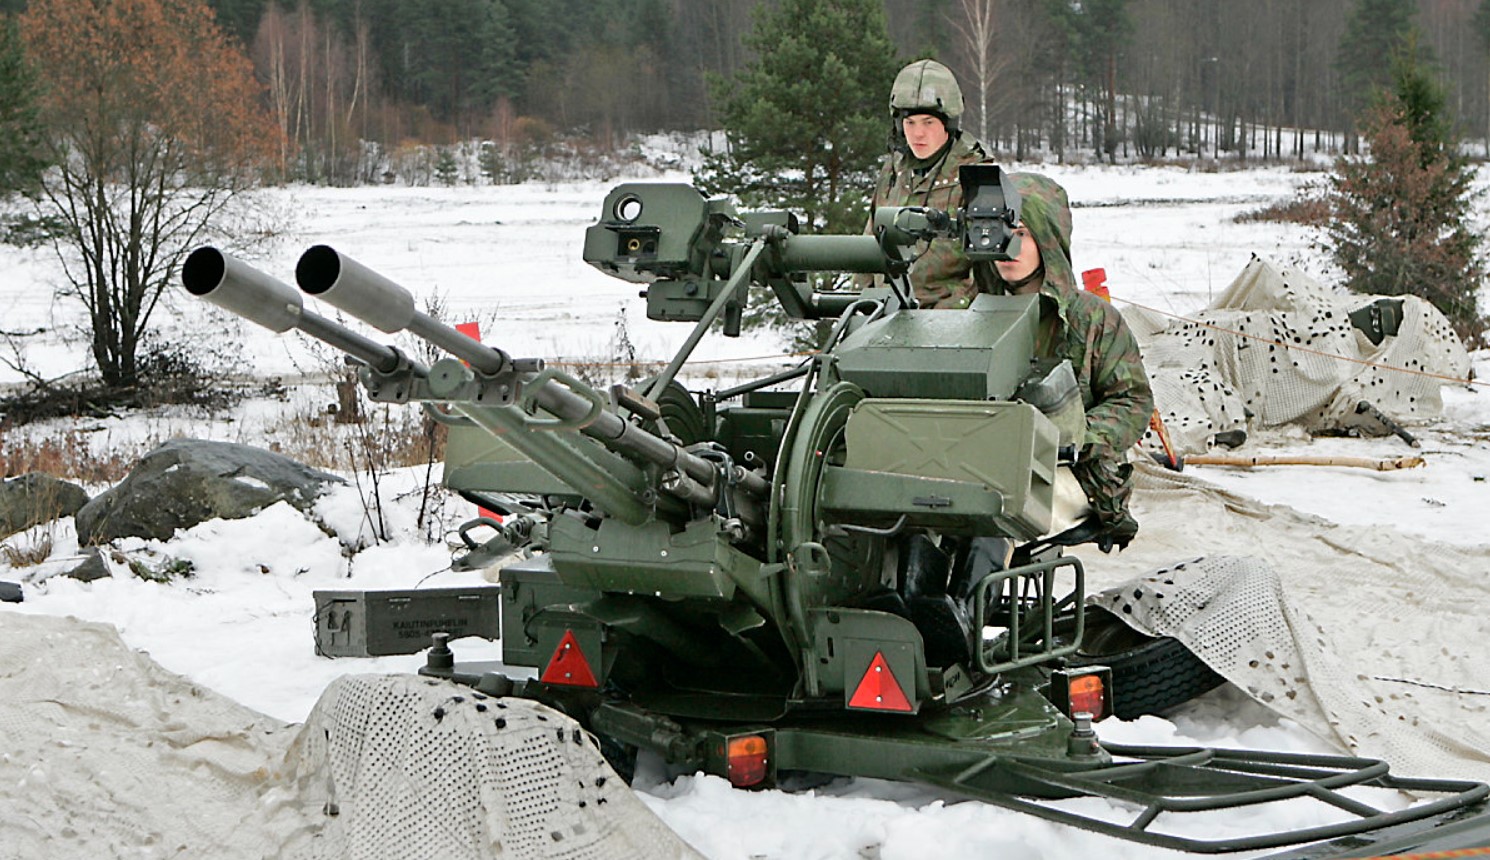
{"x": 378, "y": 623}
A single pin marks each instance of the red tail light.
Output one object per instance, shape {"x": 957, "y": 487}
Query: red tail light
{"x": 1088, "y": 696}
{"x": 746, "y": 760}
{"x": 1087, "y": 690}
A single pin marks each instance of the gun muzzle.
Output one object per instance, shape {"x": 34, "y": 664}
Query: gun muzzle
{"x": 346, "y": 284}
{"x": 236, "y": 286}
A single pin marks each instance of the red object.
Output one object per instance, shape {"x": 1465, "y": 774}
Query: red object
{"x": 568, "y": 666}
{"x": 1173, "y": 461}
{"x": 1086, "y": 696}
{"x": 1095, "y": 281}
{"x": 745, "y": 761}
{"x": 878, "y": 690}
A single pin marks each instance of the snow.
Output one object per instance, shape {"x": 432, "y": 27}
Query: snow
{"x": 510, "y": 256}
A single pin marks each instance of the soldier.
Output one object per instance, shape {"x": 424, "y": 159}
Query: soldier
{"x": 1081, "y": 327}
{"x": 926, "y": 149}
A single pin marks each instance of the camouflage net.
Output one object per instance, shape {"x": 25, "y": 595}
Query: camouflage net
{"x": 1369, "y": 638}
{"x": 414, "y": 768}
{"x": 1276, "y": 348}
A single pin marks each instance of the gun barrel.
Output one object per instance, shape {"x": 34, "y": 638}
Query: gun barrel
{"x": 816, "y": 253}
{"x": 344, "y": 283}
{"x": 234, "y": 285}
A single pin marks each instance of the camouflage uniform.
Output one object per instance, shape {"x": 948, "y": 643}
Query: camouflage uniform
{"x": 941, "y": 275}
{"x": 1081, "y": 327}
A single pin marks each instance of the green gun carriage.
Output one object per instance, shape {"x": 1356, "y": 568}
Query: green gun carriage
{"x": 844, "y": 568}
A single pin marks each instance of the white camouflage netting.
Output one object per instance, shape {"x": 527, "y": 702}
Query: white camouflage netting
{"x": 1365, "y": 636}
{"x": 418, "y": 768}
{"x": 106, "y": 754}
{"x": 1236, "y": 357}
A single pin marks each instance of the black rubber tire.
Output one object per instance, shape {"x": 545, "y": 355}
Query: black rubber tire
{"x": 1149, "y": 675}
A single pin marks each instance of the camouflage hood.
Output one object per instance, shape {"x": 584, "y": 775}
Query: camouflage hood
{"x": 1046, "y": 212}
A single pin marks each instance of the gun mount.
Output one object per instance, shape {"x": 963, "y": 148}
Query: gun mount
{"x": 846, "y": 567}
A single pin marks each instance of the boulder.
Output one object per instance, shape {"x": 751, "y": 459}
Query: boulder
{"x": 37, "y": 498}
{"x": 189, "y": 481}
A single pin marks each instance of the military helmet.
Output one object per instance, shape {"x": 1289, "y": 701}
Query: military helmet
{"x": 927, "y": 86}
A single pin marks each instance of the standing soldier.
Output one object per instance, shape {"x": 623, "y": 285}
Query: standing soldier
{"x": 926, "y": 149}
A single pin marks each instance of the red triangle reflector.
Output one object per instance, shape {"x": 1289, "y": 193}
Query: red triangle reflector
{"x": 878, "y": 689}
{"x": 568, "y": 665}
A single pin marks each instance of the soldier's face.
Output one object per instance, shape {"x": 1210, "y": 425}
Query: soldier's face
{"x": 924, "y": 133}
{"x": 1024, "y": 265}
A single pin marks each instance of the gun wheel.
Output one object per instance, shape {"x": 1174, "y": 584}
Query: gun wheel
{"x": 818, "y": 444}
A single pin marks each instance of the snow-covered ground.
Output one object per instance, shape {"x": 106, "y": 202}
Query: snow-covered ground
{"x": 510, "y": 257}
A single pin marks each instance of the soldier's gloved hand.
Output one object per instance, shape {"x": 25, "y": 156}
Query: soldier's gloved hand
{"x": 1117, "y": 533}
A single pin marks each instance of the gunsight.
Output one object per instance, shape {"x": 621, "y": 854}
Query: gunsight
{"x": 990, "y": 213}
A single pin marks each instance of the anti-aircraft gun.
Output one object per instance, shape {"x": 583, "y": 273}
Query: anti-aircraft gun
{"x": 845, "y": 568}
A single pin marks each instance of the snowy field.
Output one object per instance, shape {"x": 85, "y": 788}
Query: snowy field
{"x": 510, "y": 257}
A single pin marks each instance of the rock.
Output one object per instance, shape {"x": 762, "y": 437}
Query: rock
{"x": 188, "y": 481}
{"x": 37, "y": 498}
{"x": 10, "y": 592}
{"x": 90, "y": 568}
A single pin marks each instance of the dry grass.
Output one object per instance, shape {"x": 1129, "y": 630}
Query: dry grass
{"x": 67, "y": 455}
{"x": 36, "y": 549}
{"x": 1310, "y": 211}
{"x": 387, "y": 437}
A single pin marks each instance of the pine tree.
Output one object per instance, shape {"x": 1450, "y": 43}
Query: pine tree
{"x": 1399, "y": 219}
{"x": 21, "y": 160}
{"x": 1375, "y": 32}
{"x": 806, "y": 122}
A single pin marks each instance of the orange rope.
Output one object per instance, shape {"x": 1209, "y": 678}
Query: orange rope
{"x": 1242, "y": 334}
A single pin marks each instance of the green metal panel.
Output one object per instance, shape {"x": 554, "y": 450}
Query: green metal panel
{"x": 1007, "y": 448}
{"x": 683, "y": 301}
{"x": 527, "y": 588}
{"x": 844, "y": 641}
{"x": 745, "y": 428}
{"x": 982, "y": 353}
{"x": 477, "y": 460}
{"x": 647, "y": 230}
{"x": 651, "y": 559}
{"x": 1014, "y": 720}
{"x": 881, "y": 500}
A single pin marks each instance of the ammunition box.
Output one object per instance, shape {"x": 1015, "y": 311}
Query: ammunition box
{"x": 378, "y": 623}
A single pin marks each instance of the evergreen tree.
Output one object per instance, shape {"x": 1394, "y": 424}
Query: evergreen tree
{"x": 239, "y": 18}
{"x": 1374, "y": 34}
{"x": 806, "y": 122}
{"x": 1099, "y": 30}
{"x": 1399, "y": 219}
{"x": 21, "y": 161}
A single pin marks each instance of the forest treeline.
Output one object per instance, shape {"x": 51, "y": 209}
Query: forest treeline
{"x": 1124, "y": 78}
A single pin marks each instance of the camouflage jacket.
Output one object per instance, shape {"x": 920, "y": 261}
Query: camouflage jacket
{"x": 1087, "y": 330}
{"x": 941, "y": 276}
